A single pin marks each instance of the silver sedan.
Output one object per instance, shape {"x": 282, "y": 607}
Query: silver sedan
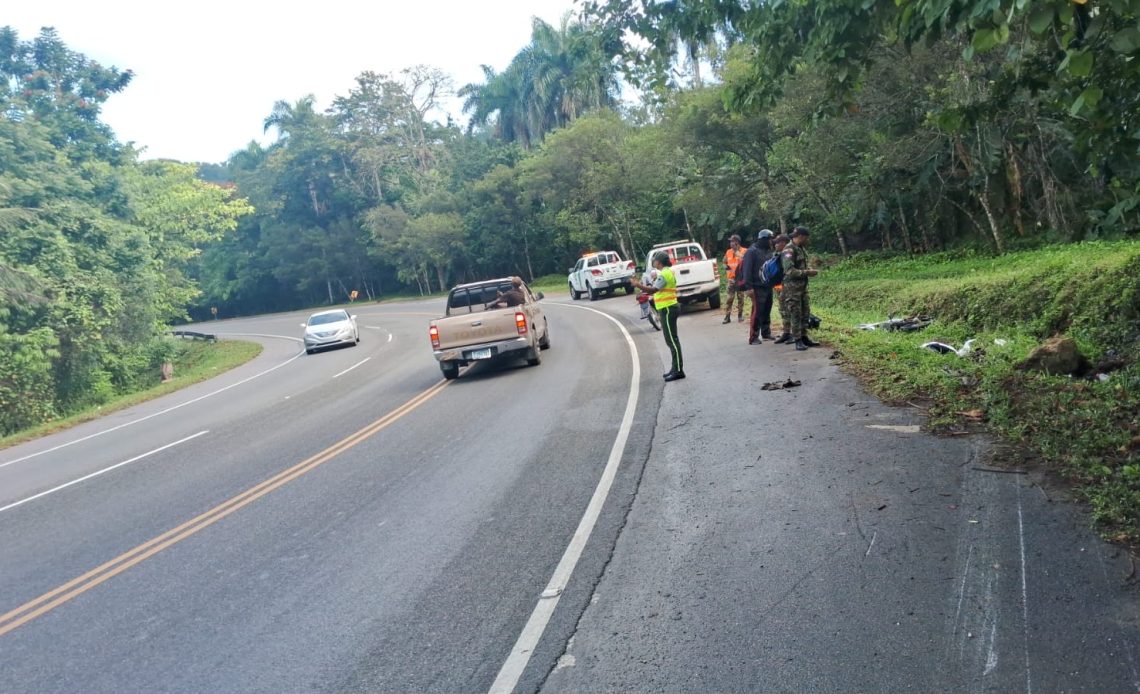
{"x": 329, "y": 329}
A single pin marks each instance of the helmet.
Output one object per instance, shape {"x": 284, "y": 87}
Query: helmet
{"x": 765, "y": 234}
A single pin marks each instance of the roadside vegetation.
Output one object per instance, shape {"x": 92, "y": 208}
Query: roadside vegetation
{"x": 191, "y": 362}
{"x": 907, "y": 128}
{"x": 1086, "y": 430}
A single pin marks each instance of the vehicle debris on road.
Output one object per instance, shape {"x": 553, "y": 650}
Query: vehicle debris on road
{"x": 905, "y": 325}
{"x": 777, "y": 385}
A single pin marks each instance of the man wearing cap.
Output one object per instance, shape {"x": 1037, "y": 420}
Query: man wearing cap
{"x": 511, "y": 297}
{"x": 796, "y": 274}
{"x": 736, "y": 291}
{"x": 778, "y": 245}
{"x": 760, "y": 325}
{"x": 664, "y": 288}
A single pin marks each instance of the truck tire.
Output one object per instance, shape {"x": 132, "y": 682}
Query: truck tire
{"x": 714, "y": 300}
{"x": 544, "y": 343}
{"x": 628, "y": 289}
{"x": 450, "y": 370}
{"x": 573, "y": 294}
{"x": 533, "y": 358}
{"x": 592, "y": 292}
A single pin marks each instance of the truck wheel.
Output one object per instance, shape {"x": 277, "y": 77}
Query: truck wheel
{"x": 533, "y": 358}
{"x": 450, "y": 370}
{"x": 714, "y": 300}
{"x": 593, "y": 292}
{"x": 544, "y": 343}
{"x": 573, "y": 294}
{"x": 628, "y": 289}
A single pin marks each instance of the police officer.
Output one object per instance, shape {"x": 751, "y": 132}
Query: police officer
{"x": 796, "y": 274}
{"x": 664, "y": 288}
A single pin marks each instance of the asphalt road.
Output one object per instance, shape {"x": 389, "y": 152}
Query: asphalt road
{"x": 347, "y": 521}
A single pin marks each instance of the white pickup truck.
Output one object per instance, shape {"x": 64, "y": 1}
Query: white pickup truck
{"x": 698, "y": 278}
{"x": 599, "y": 272}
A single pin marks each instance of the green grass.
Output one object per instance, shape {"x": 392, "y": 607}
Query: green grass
{"x": 1084, "y": 431}
{"x": 549, "y": 283}
{"x": 195, "y": 362}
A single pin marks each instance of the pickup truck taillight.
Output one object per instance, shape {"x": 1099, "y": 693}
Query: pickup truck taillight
{"x": 520, "y": 322}
{"x": 433, "y": 332}
{"x": 630, "y": 266}
{"x": 596, "y": 272}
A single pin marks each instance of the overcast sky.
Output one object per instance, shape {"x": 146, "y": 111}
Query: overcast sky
{"x": 207, "y": 73}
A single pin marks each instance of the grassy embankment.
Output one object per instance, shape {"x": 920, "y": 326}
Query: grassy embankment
{"x": 193, "y": 362}
{"x": 1086, "y": 431}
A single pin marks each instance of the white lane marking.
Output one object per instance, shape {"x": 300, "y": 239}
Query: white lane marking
{"x": 352, "y": 367}
{"x": 901, "y": 428}
{"x": 873, "y": 538}
{"x": 516, "y": 662}
{"x": 1024, "y": 592}
{"x": 389, "y": 337}
{"x": 151, "y": 416}
{"x": 100, "y": 472}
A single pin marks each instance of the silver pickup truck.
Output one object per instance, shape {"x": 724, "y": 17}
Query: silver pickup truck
{"x": 474, "y": 329}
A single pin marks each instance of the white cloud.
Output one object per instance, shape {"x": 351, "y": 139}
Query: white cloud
{"x": 207, "y": 73}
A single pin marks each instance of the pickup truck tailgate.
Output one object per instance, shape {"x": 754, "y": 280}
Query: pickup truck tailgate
{"x": 481, "y": 327}
{"x": 700, "y": 271}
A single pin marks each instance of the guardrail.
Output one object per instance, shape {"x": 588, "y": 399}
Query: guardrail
{"x": 194, "y": 336}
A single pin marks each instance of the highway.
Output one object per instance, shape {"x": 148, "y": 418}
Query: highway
{"x": 348, "y": 521}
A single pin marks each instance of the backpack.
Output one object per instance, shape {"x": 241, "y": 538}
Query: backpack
{"x": 772, "y": 271}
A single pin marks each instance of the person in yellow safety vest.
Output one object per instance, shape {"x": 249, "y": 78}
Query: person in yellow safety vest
{"x": 736, "y": 292}
{"x": 664, "y": 288}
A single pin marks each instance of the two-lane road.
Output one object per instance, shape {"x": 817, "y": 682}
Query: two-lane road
{"x": 345, "y": 520}
{"x": 349, "y": 521}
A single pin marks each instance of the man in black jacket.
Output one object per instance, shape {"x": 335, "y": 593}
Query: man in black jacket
{"x": 760, "y": 326}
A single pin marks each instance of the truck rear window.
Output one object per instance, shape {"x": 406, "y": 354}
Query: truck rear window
{"x": 475, "y": 299}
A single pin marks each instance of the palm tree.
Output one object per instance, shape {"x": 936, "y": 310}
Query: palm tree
{"x": 560, "y": 75}
{"x": 291, "y": 118}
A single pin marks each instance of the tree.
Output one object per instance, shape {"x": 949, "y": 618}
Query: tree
{"x": 562, "y": 74}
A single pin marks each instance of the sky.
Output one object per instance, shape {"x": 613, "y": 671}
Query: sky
{"x": 207, "y": 73}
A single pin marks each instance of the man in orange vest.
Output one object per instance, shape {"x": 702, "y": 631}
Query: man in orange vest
{"x": 732, "y": 258}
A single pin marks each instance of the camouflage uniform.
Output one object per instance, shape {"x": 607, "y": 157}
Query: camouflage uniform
{"x": 794, "y": 299}
{"x": 785, "y": 315}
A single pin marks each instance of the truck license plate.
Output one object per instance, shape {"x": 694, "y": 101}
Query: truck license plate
{"x": 481, "y": 353}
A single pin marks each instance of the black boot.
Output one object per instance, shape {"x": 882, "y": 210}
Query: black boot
{"x": 786, "y": 337}
{"x": 727, "y": 319}
{"x": 674, "y": 376}
{"x": 809, "y": 342}
{"x": 800, "y": 346}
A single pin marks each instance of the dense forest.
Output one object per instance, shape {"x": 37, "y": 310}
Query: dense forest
{"x": 902, "y": 127}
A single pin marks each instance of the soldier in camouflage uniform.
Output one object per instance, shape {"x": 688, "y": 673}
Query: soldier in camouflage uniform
{"x": 796, "y": 274}
{"x": 778, "y": 245}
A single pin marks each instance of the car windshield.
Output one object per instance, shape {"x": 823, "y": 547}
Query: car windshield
{"x": 323, "y": 318}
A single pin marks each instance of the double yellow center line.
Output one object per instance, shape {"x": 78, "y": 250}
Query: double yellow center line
{"x": 47, "y": 602}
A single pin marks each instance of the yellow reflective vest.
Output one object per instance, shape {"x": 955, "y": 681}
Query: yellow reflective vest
{"x": 667, "y": 295}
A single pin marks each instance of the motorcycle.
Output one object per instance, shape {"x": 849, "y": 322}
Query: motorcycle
{"x": 648, "y": 310}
